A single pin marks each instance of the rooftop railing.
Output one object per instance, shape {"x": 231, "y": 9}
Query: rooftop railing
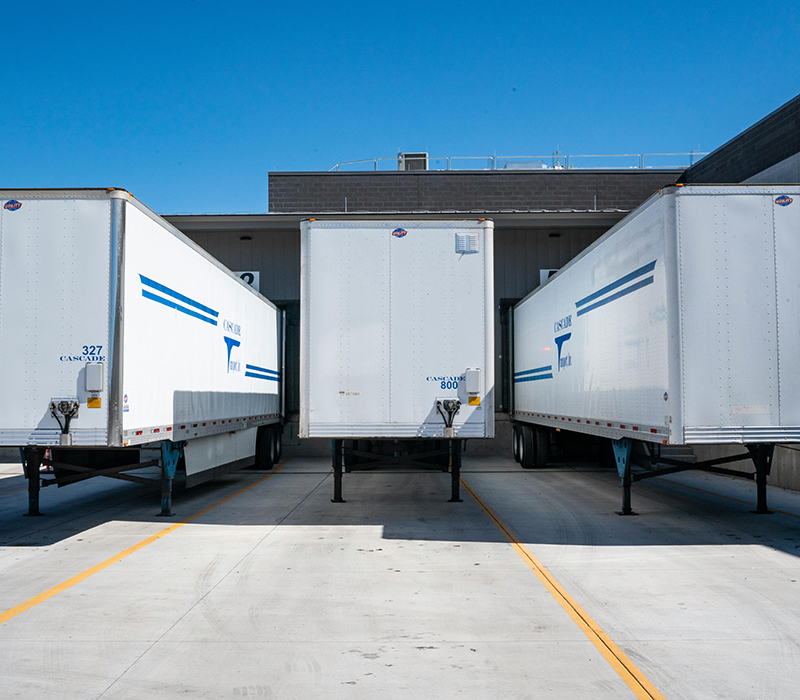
{"x": 555, "y": 161}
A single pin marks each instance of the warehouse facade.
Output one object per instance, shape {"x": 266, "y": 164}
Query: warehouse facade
{"x": 543, "y": 218}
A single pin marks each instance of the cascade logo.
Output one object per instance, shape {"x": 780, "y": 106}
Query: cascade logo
{"x": 566, "y": 360}
{"x": 562, "y": 324}
{"x": 12, "y": 205}
{"x": 399, "y": 232}
{"x": 782, "y": 201}
{"x": 232, "y": 365}
{"x": 231, "y": 327}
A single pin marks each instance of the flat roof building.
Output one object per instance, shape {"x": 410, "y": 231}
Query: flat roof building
{"x": 543, "y": 217}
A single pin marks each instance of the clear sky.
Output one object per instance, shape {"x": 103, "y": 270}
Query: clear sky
{"x": 190, "y": 103}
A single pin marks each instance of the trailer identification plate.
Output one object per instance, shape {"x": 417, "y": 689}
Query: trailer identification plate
{"x": 349, "y": 393}
{"x": 760, "y": 410}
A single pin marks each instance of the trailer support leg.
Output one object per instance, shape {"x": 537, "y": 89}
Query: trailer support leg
{"x": 761, "y": 455}
{"x": 337, "y": 471}
{"x": 32, "y": 462}
{"x": 622, "y": 456}
{"x": 455, "y": 471}
{"x": 170, "y": 454}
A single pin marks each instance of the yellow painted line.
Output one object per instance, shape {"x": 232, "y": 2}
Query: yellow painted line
{"x": 627, "y": 670}
{"x": 719, "y": 495}
{"x": 5, "y": 493}
{"x": 69, "y": 583}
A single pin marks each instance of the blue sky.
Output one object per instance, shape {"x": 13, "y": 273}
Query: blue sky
{"x": 189, "y": 104}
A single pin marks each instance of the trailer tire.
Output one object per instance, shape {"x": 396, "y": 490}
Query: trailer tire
{"x": 278, "y": 442}
{"x": 348, "y": 458}
{"x": 526, "y": 447}
{"x": 363, "y": 446}
{"x": 515, "y": 437}
{"x": 541, "y": 445}
{"x": 264, "y": 448}
{"x": 273, "y": 445}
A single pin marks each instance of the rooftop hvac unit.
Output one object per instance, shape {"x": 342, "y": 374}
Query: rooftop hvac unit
{"x": 412, "y": 161}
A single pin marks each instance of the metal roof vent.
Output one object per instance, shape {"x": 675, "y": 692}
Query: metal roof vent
{"x": 412, "y": 161}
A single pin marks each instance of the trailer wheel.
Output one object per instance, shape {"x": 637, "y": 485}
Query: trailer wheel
{"x": 264, "y": 448}
{"x": 541, "y": 443}
{"x": 278, "y": 442}
{"x": 526, "y": 447}
{"x": 349, "y": 459}
{"x": 363, "y": 446}
{"x": 515, "y": 441}
{"x": 273, "y": 446}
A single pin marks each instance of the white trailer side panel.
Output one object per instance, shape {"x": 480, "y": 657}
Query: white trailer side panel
{"x": 679, "y": 325}
{"x": 591, "y": 345}
{"x": 201, "y": 347}
{"x": 54, "y": 315}
{"x": 392, "y": 317}
{"x": 206, "y": 453}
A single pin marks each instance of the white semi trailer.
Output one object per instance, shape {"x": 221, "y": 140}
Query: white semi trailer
{"x": 116, "y": 332}
{"x": 679, "y": 326}
{"x": 396, "y": 339}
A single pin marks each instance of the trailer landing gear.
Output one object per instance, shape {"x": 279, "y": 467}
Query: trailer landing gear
{"x": 760, "y": 453}
{"x": 762, "y": 459}
{"x": 32, "y": 463}
{"x": 455, "y": 471}
{"x": 336, "y": 445}
{"x": 622, "y": 456}
{"x": 170, "y": 454}
{"x": 342, "y": 455}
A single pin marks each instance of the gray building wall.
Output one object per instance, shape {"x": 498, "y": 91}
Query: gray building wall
{"x": 465, "y": 191}
{"x": 768, "y": 142}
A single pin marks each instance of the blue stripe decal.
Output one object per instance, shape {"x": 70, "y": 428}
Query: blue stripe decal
{"x": 260, "y": 376}
{"x": 622, "y": 280}
{"x": 177, "y": 307}
{"x": 176, "y": 295}
{"x": 261, "y": 369}
{"x": 534, "y": 371}
{"x": 533, "y": 379}
{"x": 618, "y": 295}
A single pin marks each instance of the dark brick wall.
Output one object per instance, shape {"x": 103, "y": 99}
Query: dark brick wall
{"x": 435, "y": 191}
{"x": 773, "y": 139}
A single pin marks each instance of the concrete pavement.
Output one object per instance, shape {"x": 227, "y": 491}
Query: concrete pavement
{"x": 279, "y": 593}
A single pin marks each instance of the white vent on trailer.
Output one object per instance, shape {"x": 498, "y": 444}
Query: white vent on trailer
{"x": 466, "y": 243}
{"x": 94, "y": 376}
{"x": 473, "y": 381}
